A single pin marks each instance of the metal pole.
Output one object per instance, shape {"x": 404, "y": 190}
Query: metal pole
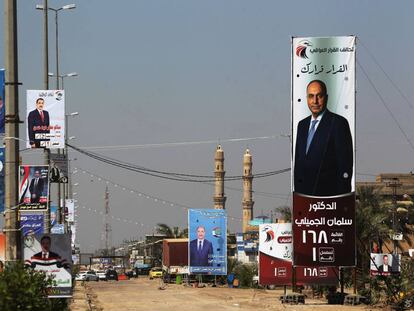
{"x": 46, "y": 87}
{"x": 57, "y": 49}
{"x": 12, "y": 131}
{"x": 45, "y": 45}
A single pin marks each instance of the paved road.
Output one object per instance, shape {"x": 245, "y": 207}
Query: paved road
{"x": 143, "y": 294}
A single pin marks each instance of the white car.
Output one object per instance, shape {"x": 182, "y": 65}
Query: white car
{"x": 101, "y": 275}
{"x": 81, "y": 276}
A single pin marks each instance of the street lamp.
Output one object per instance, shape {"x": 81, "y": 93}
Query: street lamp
{"x": 72, "y": 74}
{"x": 65, "y": 7}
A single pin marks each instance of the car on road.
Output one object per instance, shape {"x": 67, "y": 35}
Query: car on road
{"x": 111, "y": 274}
{"x": 155, "y": 272}
{"x": 102, "y": 275}
{"x": 87, "y": 276}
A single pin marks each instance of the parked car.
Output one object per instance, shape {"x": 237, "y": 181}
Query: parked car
{"x": 87, "y": 276}
{"x": 102, "y": 275}
{"x": 80, "y": 276}
{"x": 155, "y": 272}
{"x": 111, "y": 275}
{"x": 91, "y": 276}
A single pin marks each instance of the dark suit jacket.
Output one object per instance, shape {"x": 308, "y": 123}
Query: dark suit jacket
{"x": 327, "y": 168}
{"x": 36, "y": 192}
{"x": 36, "y": 126}
{"x": 52, "y": 255}
{"x": 201, "y": 258}
{"x": 381, "y": 269}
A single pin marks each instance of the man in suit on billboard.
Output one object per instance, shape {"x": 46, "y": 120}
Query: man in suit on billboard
{"x": 324, "y": 151}
{"x": 385, "y": 268}
{"x": 36, "y": 187}
{"x": 201, "y": 250}
{"x": 38, "y": 123}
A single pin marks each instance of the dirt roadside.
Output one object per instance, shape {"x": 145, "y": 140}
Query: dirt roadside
{"x": 143, "y": 294}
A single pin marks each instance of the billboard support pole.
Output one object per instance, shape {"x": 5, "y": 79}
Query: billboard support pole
{"x": 341, "y": 278}
{"x": 11, "y": 130}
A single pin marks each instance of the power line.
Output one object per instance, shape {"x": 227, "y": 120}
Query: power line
{"x": 386, "y": 106}
{"x": 175, "y": 144}
{"x": 168, "y": 175}
{"x": 385, "y": 73}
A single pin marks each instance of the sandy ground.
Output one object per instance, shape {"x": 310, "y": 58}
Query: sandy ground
{"x": 143, "y": 294}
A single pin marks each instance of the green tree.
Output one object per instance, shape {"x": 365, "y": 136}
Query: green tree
{"x": 172, "y": 232}
{"x": 284, "y": 213}
{"x": 23, "y": 288}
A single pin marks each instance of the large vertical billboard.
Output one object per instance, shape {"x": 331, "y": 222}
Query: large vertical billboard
{"x": 51, "y": 253}
{"x": 323, "y": 157}
{"x": 275, "y": 260}
{"x": 207, "y": 246}
{"x": 45, "y": 119}
{"x": 2, "y": 247}
{"x": 2, "y": 101}
{"x": 34, "y": 187}
{"x": 2, "y": 179}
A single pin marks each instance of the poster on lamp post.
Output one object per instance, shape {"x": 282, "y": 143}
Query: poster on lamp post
{"x": 52, "y": 254}
{"x": 2, "y": 149}
{"x": 323, "y": 150}
{"x": 45, "y": 119}
{"x": 31, "y": 223}
{"x": 33, "y": 187}
{"x": 2, "y": 101}
{"x": 207, "y": 246}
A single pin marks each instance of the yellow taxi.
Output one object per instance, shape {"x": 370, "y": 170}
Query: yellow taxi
{"x": 155, "y": 272}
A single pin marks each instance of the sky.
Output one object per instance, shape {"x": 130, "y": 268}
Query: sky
{"x": 156, "y": 72}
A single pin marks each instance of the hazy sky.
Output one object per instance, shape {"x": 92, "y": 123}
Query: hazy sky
{"x": 178, "y": 71}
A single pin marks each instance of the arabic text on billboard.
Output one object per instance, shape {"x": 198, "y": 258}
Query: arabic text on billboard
{"x": 323, "y": 157}
{"x": 51, "y": 253}
{"x": 33, "y": 187}
{"x": 45, "y": 119}
{"x": 207, "y": 246}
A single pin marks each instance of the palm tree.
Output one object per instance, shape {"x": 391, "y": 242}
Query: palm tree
{"x": 172, "y": 232}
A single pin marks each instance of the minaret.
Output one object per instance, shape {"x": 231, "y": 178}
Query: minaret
{"x": 219, "y": 198}
{"x": 247, "y": 202}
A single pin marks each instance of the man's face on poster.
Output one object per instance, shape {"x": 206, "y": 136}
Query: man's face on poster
{"x": 385, "y": 260}
{"x": 37, "y": 174}
{"x": 40, "y": 103}
{"x": 201, "y": 233}
{"x": 45, "y": 244}
{"x": 317, "y": 98}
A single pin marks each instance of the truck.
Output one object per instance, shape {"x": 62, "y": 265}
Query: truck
{"x": 175, "y": 259}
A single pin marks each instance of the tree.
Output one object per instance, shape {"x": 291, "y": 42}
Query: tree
{"x": 22, "y": 288}
{"x": 172, "y": 232}
{"x": 285, "y": 213}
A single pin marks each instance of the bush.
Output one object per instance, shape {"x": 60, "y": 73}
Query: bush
{"x": 22, "y": 288}
{"x": 245, "y": 274}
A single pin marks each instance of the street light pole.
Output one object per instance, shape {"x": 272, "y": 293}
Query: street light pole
{"x": 57, "y": 48}
{"x": 11, "y": 130}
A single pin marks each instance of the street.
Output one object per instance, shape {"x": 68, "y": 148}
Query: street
{"x": 144, "y": 294}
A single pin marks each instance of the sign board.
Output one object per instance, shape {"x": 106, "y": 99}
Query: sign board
{"x": 323, "y": 151}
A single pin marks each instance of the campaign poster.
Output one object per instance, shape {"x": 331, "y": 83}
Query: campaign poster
{"x": 2, "y": 247}
{"x": 31, "y": 223}
{"x": 70, "y": 210}
{"x": 275, "y": 260}
{"x": 51, "y": 253}
{"x": 58, "y": 168}
{"x": 2, "y": 101}
{"x": 45, "y": 119}
{"x": 53, "y": 215}
{"x": 1, "y": 179}
{"x": 385, "y": 264}
{"x": 33, "y": 187}
{"x": 323, "y": 151}
{"x": 73, "y": 235}
{"x": 207, "y": 246}
{"x": 58, "y": 229}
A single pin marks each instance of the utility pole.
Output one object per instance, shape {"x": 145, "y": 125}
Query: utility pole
{"x": 394, "y": 183}
{"x": 107, "y": 230}
{"x": 11, "y": 132}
